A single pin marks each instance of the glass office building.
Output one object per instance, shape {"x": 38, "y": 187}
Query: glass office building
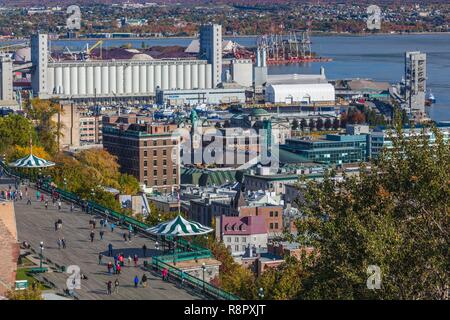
{"x": 332, "y": 149}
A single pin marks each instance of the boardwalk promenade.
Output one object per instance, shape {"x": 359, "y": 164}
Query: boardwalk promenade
{"x": 35, "y": 223}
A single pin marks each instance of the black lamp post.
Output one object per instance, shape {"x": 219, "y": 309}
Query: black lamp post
{"x": 203, "y": 270}
{"x": 65, "y": 184}
{"x": 41, "y": 245}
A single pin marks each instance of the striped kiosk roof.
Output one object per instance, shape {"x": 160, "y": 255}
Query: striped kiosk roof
{"x": 179, "y": 227}
{"x": 31, "y": 161}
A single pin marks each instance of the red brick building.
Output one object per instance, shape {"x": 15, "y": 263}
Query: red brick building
{"x": 145, "y": 149}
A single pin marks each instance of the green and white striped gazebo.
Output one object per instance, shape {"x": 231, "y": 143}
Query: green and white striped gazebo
{"x": 179, "y": 227}
{"x": 31, "y": 161}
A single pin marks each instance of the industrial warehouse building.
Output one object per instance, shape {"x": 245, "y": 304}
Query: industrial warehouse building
{"x": 300, "y": 88}
{"x": 304, "y": 93}
{"x": 199, "y": 96}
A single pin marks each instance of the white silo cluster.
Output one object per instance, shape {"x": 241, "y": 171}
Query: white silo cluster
{"x": 125, "y": 77}
{"x": 108, "y": 78}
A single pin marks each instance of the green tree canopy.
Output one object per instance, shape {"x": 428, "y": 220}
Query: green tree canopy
{"x": 395, "y": 215}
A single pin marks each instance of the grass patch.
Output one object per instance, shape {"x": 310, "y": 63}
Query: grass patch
{"x": 22, "y": 274}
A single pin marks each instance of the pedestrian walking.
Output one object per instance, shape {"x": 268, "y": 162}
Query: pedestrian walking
{"x": 165, "y": 274}
{"x": 59, "y": 205}
{"x": 118, "y": 268}
{"x": 144, "y": 280}
{"x": 108, "y": 287}
{"x": 92, "y": 236}
{"x": 112, "y": 226}
{"x": 100, "y": 256}
{"x": 46, "y": 205}
{"x": 109, "y": 266}
{"x": 63, "y": 241}
{"x": 121, "y": 260}
{"x": 101, "y": 234}
{"x": 144, "y": 250}
{"x": 129, "y": 237}
{"x": 59, "y": 243}
{"x": 114, "y": 268}
{"x": 129, "y": 260}
{"x": 72, "y": 207}
{"x": 116, "y": 286}
{"x": 29, "y": 201}
{"x": 135, "y": 259}
{"x": 56, "y": 225}
{"x": 136, "y": 281}
{"x": 125, "y": 237}
{"x": 110, "y": 250}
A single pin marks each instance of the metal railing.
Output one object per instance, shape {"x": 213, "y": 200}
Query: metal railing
{"x": 188, "y": 280}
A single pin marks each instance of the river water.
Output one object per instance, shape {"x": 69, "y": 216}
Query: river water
{"x": 379, "y": 57}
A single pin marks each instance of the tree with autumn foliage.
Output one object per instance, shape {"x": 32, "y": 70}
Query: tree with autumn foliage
{"x": 42, "y": 112}
{"x": 233, "y": 277}
{"x": 93, "y": 169}
{"x": 394, "y": 215}
{"x": 26, "y": 294}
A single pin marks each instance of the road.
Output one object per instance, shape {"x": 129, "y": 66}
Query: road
{"x": 36, "y": 224}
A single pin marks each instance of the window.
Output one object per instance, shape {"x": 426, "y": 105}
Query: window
{"x": 228, "y": 239}
{"x": 276, "y": 213}
{"x": 276, "y": 225}
{"x": 145, "y": 173}
{"x": 174, "y": 171}
{"x": 271, "y": 226}
{"x": 271, "y": 213}
{"x": 154, "y": 142}
{"x": 236, "y": 239}
{"x": 243, "y": 248}
{"x": 164, "y": 162}
{"x": 155, "y": 153}
{"x": 165, "y": 172}
{"x": 145, "y": 163}
{"x": 155, "y": 162}
{"x": 145, "y": 143}
{"x": 145, "y": 153}
{"x": 244, "y": 239}
{"x": 164, "y": 152}
{"x": 155, "y": 172}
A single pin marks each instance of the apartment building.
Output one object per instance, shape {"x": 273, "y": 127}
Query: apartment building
{"x": 148, "y": 150}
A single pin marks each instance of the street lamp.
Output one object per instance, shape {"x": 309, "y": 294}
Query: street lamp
{"x": 203, "y": 270}
{"x": 261, "y": 293}
{"x": 156, "y": 246}
{"x": 65, "y": 184}
{"x": 41, "y": 245}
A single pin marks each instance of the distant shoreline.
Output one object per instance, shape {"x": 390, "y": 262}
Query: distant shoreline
{"x": 315, "y": 34}
{"x": 318, "y": 34}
